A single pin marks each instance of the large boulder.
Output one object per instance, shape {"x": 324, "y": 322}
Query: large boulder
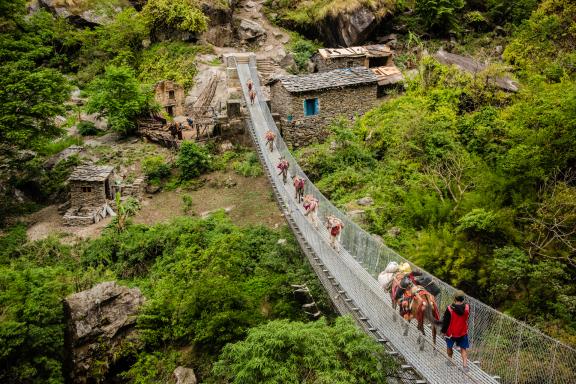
{"x": 81, "y": 13}
{"x": 249, "y": 31}
{"x": 98, "y": 322}
{"x": 348, "y": 29}
{"x": 184, "y": 376}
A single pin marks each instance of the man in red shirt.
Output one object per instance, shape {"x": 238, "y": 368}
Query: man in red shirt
{"x": 455, "y": 327}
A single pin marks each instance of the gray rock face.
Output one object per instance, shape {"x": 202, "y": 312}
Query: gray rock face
{"x": 348, "y": 29}
{"x": 250, "y": 31}
{"x": 98, "y": 320}
{"x": 184, "y": 376}
{"x": 365, "y": 201}
{"x": 356, "y": 26}
{"x": 83, "y": 17}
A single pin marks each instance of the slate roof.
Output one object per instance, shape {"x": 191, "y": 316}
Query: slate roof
{"x": 338, "y": 78}
{"x": 91, "y": 173}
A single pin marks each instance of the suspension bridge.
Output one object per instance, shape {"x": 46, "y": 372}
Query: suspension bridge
{"x": 503, "y": 350}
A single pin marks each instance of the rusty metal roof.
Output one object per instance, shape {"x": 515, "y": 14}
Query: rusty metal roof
{"x": 338, "y": 78}
{"x": 91, "y": 173}
{"x": 375, "y": 50}
{"x": 387, "y": 75}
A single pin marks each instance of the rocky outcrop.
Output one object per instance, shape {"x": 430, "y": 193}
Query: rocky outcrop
{"x": 98, "y": 322}
{"x": 353, "y": 28}
{"x": 78, "y": 13}
{"x": 184, "y": 376}
{"x": 249, "y": 31}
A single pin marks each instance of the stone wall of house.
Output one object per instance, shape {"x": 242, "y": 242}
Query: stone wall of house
{"x": 303, "y": 130}
{"x": 95, "y": 198}
{"x": 323, "y": 65}
{"x": 135, "y": 189}
{"x": 169, "y": 94}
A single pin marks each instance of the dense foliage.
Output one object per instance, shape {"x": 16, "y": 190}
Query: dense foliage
{"x": 207, "y": 282}
{"x": 481, "y": 183}
{"x": 293, "y": 352}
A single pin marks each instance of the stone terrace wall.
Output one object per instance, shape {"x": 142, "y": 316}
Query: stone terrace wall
{"x": 324, "y": 65}
{"x": 347, "y": 102}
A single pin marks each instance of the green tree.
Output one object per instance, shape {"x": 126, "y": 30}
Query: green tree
{"x": 30, "y": 97}
{"x": 293, "y": 352}
{"x": 120, "y": 97}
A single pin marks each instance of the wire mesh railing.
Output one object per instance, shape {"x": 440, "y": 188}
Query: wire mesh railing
{"x": 501, "y": 347}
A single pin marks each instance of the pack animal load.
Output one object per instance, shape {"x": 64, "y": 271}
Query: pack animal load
{"x": 414, "y": 294}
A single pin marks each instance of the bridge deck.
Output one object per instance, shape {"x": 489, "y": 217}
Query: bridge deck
{"x": 353, "y": 289}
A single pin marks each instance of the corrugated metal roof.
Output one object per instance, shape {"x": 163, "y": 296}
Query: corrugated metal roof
{"x": 366, "y": 50}
{"x": 387, "y": 75}
{"x": 337, "y": 78}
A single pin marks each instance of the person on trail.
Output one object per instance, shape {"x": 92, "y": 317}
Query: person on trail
{"x": 299, "y": 188}
{"x": 455, "y": 327}
{"x": 252, "y": 95}
{"x": 335, "y": 227}
{"x": 179, "y": 129}
{"x": 283, "y": 166}
{"x": 172, "y": 129}
{"x": 311, "y": 206}
{"x": 270, "y": 137}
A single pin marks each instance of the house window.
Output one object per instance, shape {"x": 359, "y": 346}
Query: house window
{"x": 171, "y": 95}
{"x": 350, "y": 64}
{"x": 311, "y": 107}
{"x": 86, "y": 189}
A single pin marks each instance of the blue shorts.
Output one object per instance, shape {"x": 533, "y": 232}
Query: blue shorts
{"x": 462, "y": 342}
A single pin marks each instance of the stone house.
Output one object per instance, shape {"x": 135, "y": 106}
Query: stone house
{"x": 306, "y": 104}
{"x": 91, "y": 185}
{"x": 91, "y": 188}
{"x": 171, "y": 96}
{"x": 369, "y": 56}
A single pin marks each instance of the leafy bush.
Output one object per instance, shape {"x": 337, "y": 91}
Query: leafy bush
{"x": 439, "y": 15}
{"x": 249, "y": 166}
{"x": 193, "y": 160}
{"x": 87, "y": 128}
{"x": 184, "y": 15}
{"x": 293, "y": 352}
{"x": 155, "y": 167}
{"x": 173, "y": 60}
{"x": 302, "y": 50}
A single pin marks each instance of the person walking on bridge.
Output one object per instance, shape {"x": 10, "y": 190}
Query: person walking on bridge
{"x": 335, "y": 227}
{"x": 455, "y": 327}
{"x": 283, "y": 166}
{"x": 270, "y": 137}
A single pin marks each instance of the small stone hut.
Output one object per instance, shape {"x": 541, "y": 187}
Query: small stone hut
{"x": 369, "y": 56}
{"x": 91, "y": 186}
{"x": 306, "y": 104}
{"x": 171, "y": 96}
